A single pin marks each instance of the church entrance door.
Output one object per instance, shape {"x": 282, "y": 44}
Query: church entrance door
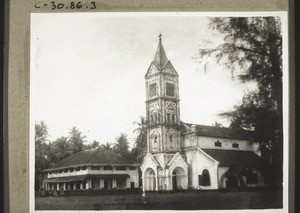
{"x": 150, "y": 180}
{"x": 179, "y": 179}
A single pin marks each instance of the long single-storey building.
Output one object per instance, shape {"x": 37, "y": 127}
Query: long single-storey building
{"x": 98, "y": 168}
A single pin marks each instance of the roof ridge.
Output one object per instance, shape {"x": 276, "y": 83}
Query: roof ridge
{"x": 120, "y": 154}
{"x": 96, "y": 151}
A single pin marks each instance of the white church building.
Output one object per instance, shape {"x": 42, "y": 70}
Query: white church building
{"x": 182, "y": 155}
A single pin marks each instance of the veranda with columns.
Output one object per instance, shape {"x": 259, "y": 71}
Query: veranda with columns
{"x": 92, "y": 169}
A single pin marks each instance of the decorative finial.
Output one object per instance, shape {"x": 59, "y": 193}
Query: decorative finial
{"x": 160, "y": 35}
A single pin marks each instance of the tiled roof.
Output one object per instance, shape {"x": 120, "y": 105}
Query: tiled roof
{"x": 99, "y": 156}
{"x": 220, "y": 132}
{"x": 160, "y": 58}
{"x": 83, "y": 177}
{"x": 235, "y": 157}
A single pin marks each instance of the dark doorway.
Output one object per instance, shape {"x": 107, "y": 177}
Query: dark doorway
{"x": 174, "y": 180}
{"x": 132, "y": 185}
{"x": 107, "y": 184}
{"x": 232, "y": 182}
{"x": 77, "y": 185}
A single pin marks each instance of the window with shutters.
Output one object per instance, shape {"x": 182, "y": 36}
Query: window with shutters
{"x": 120, "y": 167}
{"x": 107, "y": 168}
{"x": 218, "y": 144}
{"x": 152, "y": 90}
{"x": 95, "y": 167}
{"x": 235, "y": 145}
{"x": 170, "y": 89}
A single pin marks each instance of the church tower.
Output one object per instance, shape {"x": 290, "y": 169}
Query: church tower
{"x": 164, "y": 167}
{"x": 162, "y": 105}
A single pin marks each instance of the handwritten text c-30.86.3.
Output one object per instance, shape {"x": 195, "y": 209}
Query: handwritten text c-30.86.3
{"x": 71, "y": 5}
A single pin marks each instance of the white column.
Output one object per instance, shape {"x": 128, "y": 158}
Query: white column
{"x": 114, "y": 183}
{"x": 90, "y": 183}
{"x": 156, "y": 183}
{"x": 167, "y": 181}
{"x": 74, "y": 185}
{"x": 57, "y": 186}
{"x": 101, "y": 183}
{"x": 65, "y": 186}
{"x": 81, "y": 185}
{"x": 143, "y": 186}
{"x": 87, "y": 184}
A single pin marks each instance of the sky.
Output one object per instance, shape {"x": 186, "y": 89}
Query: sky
{"x": 87, "y": 70}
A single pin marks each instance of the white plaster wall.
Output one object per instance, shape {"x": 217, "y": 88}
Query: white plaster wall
{"x": 67, "y": 174}
{"x": 209, "y": 143}
{"x": 197, "y": 162}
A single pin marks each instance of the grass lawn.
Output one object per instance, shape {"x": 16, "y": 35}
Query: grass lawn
{"x": 177, "y": 201}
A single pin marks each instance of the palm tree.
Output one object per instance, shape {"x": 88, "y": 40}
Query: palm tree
{"x": 141, "y": 139}
{"x": 41, "y": 152}
{"x": 121, "y": 145}
{"x": 76, "y": 139}
{"x": 217, "y": 124}
{"x": 41, "y": 132}
{"x": 108, "y": 146}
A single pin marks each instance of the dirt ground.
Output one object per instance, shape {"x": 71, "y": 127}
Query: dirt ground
{"x": 178, "y": 201}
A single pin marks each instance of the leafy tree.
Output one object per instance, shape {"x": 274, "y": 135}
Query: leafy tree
{"x": 93, "y": 145}
{"x": 41, "y": 152}
{"x": 121, "y": 145}
{"x": 60, "y": 149}
{"x": 140, "y": 145}
{"x": 252, "y": 51}
{"x": 76, "y": 140}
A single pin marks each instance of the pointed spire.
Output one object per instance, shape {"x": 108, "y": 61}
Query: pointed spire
{"x": 160, "y": 58}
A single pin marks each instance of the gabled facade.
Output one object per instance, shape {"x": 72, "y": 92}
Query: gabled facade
{"x": 182, "y": 155}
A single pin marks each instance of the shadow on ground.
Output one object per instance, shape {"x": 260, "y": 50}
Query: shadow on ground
{"x": 178, "y": 201}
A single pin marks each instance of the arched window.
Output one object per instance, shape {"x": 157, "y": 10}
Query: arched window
{"x": 171, "y": 139}
{"x": 155, "y": 141}
{"x": 154, "y": 117}
{"x": 170, "y": 116}
{"x": 204, "y": 179}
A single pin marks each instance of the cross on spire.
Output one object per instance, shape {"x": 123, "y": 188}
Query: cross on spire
{"x": 160, "y": 58}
